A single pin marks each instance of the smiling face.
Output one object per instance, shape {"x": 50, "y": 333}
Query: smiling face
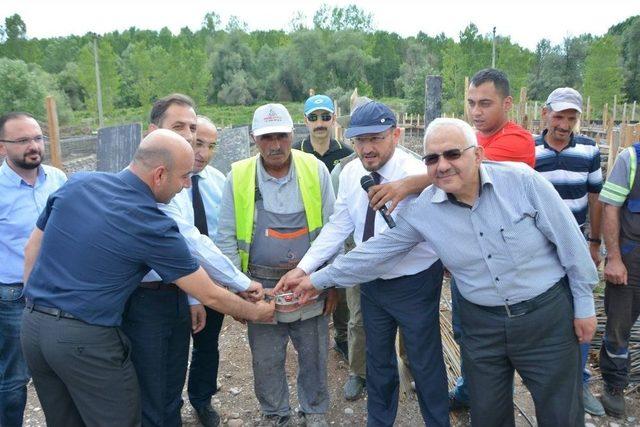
{"x": 460, "y": 176}
{"x": 375, "y": 149}
{"x": 205, "y": 144}
{"x": 559, "y": 125}
{"x": 27, "y": 149}
{"x": 488, "y": 108}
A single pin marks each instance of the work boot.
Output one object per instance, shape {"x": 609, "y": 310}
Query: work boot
{"x": 613, "y": 401}
{"x": 208, "y": 416}
{"x": 354, "y": 387}
{"x": 591, "y": 404}
{"x": 312, "y": 420}
{"x": 274, "y": 420}
{"x": 455, "y": 403}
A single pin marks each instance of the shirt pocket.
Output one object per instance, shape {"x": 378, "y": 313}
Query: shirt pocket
{"x": 522, "y": 239}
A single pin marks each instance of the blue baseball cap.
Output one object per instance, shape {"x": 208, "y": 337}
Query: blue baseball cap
{"x": 318, "y": 102}
{"x": 372, "y": 117}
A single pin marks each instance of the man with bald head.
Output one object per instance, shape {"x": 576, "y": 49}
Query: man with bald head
{"x": 158, "y": 319}
{"x": 522, "y": 268}
{"x": 94, "y": 241}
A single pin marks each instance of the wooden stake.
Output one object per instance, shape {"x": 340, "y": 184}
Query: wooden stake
{"x": 54, "y": 132}
{"x": 605, "y": 116}
{"x": 467, "y": 116}
{"x": 615, "y": 108}
{"x": 624, "y": 112}
{"x": 523, "y": 101}
{"x": 588, "y": 115}
{"x": 633, "y": 112}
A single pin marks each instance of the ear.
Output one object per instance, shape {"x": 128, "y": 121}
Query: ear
{"x": 507, "y": 103}
{"x": 3, "y": 149}
{"x": 152, "y": 127}
{"x": 545, "y": 113}
{"x": 159, "y": 174}
{"x": 397, "y": 135}
{"x": 479, "y": 154}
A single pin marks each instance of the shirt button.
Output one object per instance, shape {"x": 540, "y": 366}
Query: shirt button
{"x": 489, "y": 256}
{"x": 481, "y": 234}
{"x": 497, "y": 279}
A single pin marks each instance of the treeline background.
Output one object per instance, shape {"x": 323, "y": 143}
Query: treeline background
{"x": 230, "y": 65}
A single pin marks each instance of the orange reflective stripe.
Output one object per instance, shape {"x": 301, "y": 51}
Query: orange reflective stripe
{"x": 270, "y": 232}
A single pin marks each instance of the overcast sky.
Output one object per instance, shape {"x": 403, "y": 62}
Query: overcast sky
{"x": 525, "y": 22}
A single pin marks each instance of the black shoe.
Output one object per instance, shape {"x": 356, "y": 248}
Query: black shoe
{"x": 456, "y": 404}
{"x": 354, "y": 387}
{"x": 342, "y": 347}
{"x": 208, "y": 416}
{"x": 613, "y": 401}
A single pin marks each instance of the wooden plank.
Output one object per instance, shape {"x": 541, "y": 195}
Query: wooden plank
{"x": 54, "y": 132}
{"x": 467, "y": 115}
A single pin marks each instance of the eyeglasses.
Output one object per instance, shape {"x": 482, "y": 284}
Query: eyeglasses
{"x": 24, "y": 141}
{"x": 324, "y": 117}
{"x": 453, "y": 154}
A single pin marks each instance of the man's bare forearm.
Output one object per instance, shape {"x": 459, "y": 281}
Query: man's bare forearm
{"x": 611, "y": 230}
{"x": 31, "y": 251}
{"x": 595, "y": 216}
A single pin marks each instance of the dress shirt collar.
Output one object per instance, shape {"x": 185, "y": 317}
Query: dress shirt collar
{"x": 16, "y": 179}
{"x": 439, "y": 196}
{"x": 204, "y": 173}
{"x": 387, "y": 170}
{"x": 133, "y": 180}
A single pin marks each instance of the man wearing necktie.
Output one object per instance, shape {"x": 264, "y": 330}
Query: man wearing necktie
{"x": 206, "y": 194}
{"x": 407, "y": 296}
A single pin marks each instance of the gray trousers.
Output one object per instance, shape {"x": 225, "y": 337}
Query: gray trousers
{"x": 82, "y": 373}
{"x": 357, "y": 356}
{"x": 541, "y": 345}
{"x": 269, "y": 349}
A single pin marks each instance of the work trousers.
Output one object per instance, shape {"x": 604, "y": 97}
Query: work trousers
{"x": 82, "y": 373}
{"x": 541, "y": 345}
{"x": 158, "y": 324}
{"x": 205, "y": 358}
{"x": 14, "y": 374}
{"x": 341, "y": 317}
{"x": 357, "y": 356}
{"x": 268, "y": 352}
{"x": 622, "y": 306}
{"x": 412, "y": 304}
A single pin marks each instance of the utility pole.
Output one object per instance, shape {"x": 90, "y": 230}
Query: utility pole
{"x": 493, "y": 51}
{"x": 98, "y": 85}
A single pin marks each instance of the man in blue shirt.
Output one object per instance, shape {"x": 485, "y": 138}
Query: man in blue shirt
{"x": 206, "y": 196}
{"x": 95, "y": 240}
{"x": 572, "y": 164}
{"x": 25, "y": 184}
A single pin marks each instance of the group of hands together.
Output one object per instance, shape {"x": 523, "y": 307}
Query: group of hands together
{"x": 296, "y": 282}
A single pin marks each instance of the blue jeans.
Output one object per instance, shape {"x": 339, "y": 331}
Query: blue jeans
{"x": 14, "y": 374}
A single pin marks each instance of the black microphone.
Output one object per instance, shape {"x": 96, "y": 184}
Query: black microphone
{"x": 367, "y": 181}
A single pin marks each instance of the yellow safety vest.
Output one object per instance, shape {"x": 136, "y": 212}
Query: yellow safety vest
{"x": 244, "y": 188}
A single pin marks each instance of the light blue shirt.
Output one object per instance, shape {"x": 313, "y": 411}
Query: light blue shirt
{"x": 513, "y": 244}
{"x": 20, "y": 207}
{"x": 211, "y": 184}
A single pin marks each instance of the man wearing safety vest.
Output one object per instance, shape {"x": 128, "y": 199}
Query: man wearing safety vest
{"x": 273, "y": 207}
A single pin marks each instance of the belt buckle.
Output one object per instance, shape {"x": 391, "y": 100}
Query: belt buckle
{"x": 509, "y": 315}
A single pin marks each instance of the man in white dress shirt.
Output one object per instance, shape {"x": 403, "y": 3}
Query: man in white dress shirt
{"x": 408, "y": 295}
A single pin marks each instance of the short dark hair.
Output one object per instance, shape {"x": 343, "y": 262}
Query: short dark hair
{"x": 499, "y": 79}
{"x": 12, "y": 116}
{"x": 161, "y": 106}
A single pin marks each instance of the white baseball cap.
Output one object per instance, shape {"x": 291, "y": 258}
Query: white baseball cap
{"x": 271, "y": 118}
{"x": 565, "y": 98}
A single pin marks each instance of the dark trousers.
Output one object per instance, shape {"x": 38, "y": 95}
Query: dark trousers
{"x": 14, "y": 374}
{"x": 82, "y": 373}
{"x": 205, "y": 357}
{"x": 411, "y": 303}
{"x": 341, "y": 317}
{"x": 541, "y": 345}
{"x": 158, "y": 324}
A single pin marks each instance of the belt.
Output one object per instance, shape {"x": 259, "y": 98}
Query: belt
{"x": 159, "y": 286}
{"x": 525, "y": 307}
{"x": 50, "y": 311}
{"x": 12, "y": 285}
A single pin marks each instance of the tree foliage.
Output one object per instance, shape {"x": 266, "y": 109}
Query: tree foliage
{"x": 603, "y": 77}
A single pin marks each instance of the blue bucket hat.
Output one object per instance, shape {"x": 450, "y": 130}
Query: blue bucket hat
{"x": 372, "y": 117}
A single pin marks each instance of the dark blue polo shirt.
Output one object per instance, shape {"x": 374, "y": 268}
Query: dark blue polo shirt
{"x": 102, "y": 233}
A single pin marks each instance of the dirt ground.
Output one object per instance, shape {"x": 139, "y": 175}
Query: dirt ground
{"x": 237, "y": 405}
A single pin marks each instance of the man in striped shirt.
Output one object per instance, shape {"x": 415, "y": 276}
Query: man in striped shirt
{"x": 572, "y": 164}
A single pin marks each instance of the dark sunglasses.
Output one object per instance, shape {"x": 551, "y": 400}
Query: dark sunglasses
{"x": 453, "y": 154}
{"x": 324, "y": 117}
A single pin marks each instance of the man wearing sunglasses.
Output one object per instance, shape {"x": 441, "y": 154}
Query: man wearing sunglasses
{"x": 406, "y": 295}
{"x": 25, "y": 185}
{"x": 523, "y": 270}
{"x": 320, "y": 119}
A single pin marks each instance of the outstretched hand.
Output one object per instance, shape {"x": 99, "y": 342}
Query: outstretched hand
{"x": 283, "y": 284}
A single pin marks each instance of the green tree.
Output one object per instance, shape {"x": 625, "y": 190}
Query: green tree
{"x": 603, "y": 76}
{"x": 631, "y": 59}
{"x": 109, "y": 76}
{"x": 350, "y": 17}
